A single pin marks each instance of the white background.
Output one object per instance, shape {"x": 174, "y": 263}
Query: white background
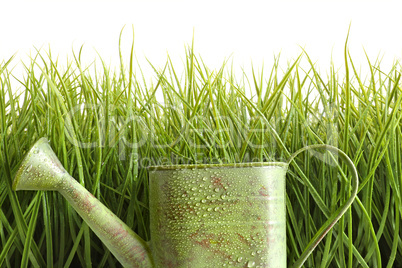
{"x": 245, "y": 31}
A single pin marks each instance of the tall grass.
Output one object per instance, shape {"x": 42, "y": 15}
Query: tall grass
{"x": 107, "y": 127}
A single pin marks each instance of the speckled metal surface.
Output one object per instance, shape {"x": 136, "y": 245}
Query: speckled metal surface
{"x": 219, "y": 217}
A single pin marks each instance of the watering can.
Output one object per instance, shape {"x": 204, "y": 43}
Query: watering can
{"x": 201, "y": 215}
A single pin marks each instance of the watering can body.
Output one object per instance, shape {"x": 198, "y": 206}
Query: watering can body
{"x": 218, "y": 215}
{"x": 201, "y": 216}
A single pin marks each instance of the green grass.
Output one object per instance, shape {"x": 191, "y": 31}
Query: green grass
{"x": 129, "y": 121}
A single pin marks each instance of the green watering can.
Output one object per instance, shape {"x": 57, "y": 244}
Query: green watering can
{"x": 201, "y": 215}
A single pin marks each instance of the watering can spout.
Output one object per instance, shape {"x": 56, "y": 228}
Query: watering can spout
{"x": 41, "y": 170}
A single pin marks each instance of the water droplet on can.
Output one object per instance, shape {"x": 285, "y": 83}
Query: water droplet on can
{"x": 250, "y": 263}
{"x": 29, "y": 168}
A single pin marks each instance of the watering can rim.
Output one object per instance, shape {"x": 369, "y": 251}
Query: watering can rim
{"x": 213, "y": 166}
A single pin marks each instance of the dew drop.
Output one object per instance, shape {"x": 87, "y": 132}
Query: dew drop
{"x": 29, "y": 168}
{"x": 251, "y": 264}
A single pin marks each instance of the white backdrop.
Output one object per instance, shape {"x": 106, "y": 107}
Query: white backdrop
{"x": 246, "y": 31}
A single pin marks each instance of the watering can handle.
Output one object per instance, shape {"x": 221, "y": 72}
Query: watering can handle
{"x": 339, "y": 212}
